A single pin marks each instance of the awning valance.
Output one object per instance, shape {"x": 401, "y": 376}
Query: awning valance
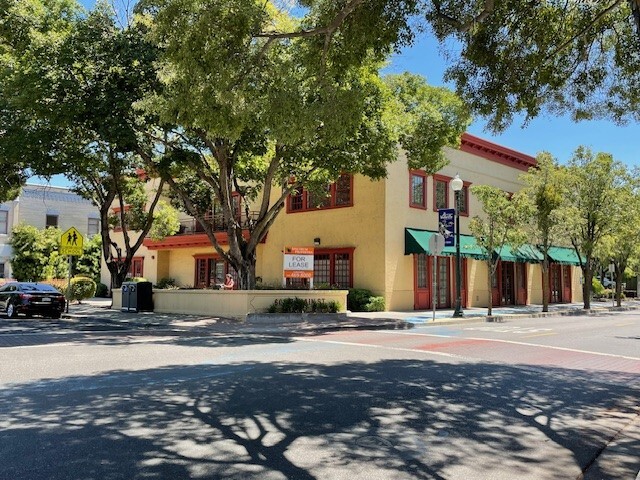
{"x": 524, "y": 254}
{"x": 564, "y": 255}
{"x": 417, "y": 241}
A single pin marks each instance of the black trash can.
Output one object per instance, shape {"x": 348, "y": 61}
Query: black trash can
{"x": 137, "y": 296}
{"x": 126, "y": 295}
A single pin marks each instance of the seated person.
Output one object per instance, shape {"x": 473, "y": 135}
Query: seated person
{"x": 228, "y": 282}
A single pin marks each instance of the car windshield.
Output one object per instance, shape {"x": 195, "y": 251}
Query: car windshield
{"x": 46, "y": 288}
{"x": 37, "y": 287}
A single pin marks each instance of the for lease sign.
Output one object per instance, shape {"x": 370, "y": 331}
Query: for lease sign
{"x": 298, "y": 262}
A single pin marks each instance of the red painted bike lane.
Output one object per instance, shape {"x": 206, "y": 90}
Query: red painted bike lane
{"x": 491, "y": 350}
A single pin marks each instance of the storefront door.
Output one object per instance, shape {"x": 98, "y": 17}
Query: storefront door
{"x": 423, "y": 279}
{"x": 507, "y": 287}
{"x": 421, "y": 282}
{"x": 555, "y": 283}
{"x": 566, "y": 283}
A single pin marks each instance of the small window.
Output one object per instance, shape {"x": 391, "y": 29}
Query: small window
{"x": 136, "y": 270}
{"x": 418, "y": 186}
{"x": 4, "y": 222}
{"x": 93, "y": 227}
{"x": 441, "y": 194}
{"x": 464, "y": 201}
{"x": 1, "y": 269}
{"x": 52, "y": 221}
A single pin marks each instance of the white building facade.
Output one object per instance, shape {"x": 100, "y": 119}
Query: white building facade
{"x": 44, "y": 206}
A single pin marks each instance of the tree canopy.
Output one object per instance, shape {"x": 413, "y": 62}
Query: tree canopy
{"x": 509, "y": 57}
{"x": 258, "y": 119}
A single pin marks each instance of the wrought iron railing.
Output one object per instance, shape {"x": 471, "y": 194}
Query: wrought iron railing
{"x": 192, "y": 226}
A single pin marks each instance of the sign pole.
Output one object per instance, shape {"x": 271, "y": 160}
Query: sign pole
{"x": 434, "y": 285}
{"x": 69, "y": 283}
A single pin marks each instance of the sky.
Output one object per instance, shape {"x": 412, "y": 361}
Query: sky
{"x": 558, "y": 135}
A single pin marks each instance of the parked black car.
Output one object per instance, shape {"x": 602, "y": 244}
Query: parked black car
{"x": 31, "y": 298}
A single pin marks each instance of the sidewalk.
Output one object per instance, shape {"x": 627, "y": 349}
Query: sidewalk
{"x": 97, "y": 312}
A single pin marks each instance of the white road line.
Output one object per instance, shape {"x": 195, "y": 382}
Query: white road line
{"x": 382, "y": 347}
{"x": 512, "y": 342}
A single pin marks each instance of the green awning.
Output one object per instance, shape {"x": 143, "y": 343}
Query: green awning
{"x": 564, "y": 255}
{"x": 524, "y": 254}
{"x": 417, "y": 241}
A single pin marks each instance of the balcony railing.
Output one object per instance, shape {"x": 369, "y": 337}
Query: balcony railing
{"x": 192, "y": 226}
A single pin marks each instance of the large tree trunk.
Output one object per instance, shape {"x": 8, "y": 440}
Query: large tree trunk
{"x": 587, "y": 272}
{"x": 247, "y": 273}
{"x": 118, "y": 271}
{"x": 490, "y": 287}
{"x": 545, "y": 283}
{"x": 619, "y": 277}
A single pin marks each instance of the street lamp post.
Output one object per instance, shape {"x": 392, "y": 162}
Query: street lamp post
{"x": 456, "y": 186}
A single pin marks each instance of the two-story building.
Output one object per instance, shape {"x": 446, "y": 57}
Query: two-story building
{"x": 374, "y": 235}
{"x": 44, "y": 206}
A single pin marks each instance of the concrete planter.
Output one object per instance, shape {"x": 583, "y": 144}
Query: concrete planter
{"x": 231, "y": 304}
{"x": 270, "y": 318}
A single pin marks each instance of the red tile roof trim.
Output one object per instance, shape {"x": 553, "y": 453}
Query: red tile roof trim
{"x": 497, "y": 153}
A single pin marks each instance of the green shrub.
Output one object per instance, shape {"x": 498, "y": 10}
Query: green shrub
{"x": 596, "y": 287}
{"x": 375, "y": 304}
{"x": 167, "y": 283}
{"x": 81, "y": 288}
{"x": 358, "y": 298}
{"x": 300, "y": 305}
{"x": 320, "y": 306}
{"x": 102, "y": 290}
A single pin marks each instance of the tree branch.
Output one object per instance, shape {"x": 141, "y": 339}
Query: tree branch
{"x": 569, "y": 41}
{"x": 489, "y": 6}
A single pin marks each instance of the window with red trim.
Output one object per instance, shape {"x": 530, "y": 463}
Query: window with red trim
{"x": 417, "y": 189}
{"x": 211, "y": 270}
{"x": 464, "y": 200}
{"x": 330, "y": 267}
{"x": 136, "y": 269}
{"x": 338, "y": 194}
{"x": 440, "y": 192}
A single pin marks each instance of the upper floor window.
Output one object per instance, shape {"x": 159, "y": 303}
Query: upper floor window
{"x": 418, "y": 189}
{"x": 464, "y": 200}
{"x": 93, "y": 227}
{"x": 4, "y": 221}
{"x": 440, "y": 192}
{"x": 51, "y": 221}
{"x": 337, "y": 194}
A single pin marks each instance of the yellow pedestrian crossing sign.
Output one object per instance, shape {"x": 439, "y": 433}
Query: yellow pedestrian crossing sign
{"x": 71, "y": 242}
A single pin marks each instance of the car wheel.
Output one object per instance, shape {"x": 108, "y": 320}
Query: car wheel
{"x": 11, "y": 311}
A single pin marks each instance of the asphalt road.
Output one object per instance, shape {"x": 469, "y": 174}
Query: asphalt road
{"x": 546, "y": 398}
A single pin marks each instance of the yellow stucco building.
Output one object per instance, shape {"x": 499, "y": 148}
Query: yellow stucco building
{"x": 372, "y": 234}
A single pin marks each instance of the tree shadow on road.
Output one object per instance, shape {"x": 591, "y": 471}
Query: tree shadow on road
{"x": 391, "y": 418}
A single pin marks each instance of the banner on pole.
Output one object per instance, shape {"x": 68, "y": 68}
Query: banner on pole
{"x": 447, "y": 226}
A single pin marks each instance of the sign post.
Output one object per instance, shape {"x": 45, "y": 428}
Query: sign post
{"x": 436, "y": 244}
{"x": 298, "y": 263}
{"x": 71, "y": 244}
